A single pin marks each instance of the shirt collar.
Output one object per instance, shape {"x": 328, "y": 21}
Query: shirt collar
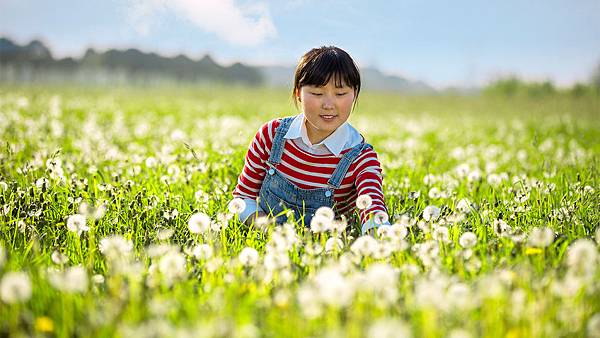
{"x": 334, "y": 142}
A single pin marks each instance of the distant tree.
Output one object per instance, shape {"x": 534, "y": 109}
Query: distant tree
{"x": 596, "y": 76}
{"x": 580, "y": 89}
{"x": 507, "y": 87}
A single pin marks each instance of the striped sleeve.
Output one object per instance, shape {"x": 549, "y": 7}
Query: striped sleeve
{"x": 369, "y": 181}
{"x": 253, "y": 173}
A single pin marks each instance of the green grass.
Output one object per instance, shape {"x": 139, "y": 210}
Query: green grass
{"x": 546, "y": 148}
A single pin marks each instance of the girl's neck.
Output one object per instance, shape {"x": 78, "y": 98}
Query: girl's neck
{"x": 314, "y": 135}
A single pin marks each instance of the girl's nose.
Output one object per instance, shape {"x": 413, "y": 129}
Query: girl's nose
{"x": 327, "y": 103}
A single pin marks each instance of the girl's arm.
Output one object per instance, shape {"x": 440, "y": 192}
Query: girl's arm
{"x": 252, "y": 175}
{"x": 369, "y": 181}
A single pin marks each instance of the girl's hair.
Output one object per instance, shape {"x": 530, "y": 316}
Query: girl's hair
{"x": 318, "y": 65}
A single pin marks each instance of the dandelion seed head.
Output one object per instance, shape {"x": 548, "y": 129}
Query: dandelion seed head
{"x": 320, "y": 223}
{"x": 464, "y": 206}
{"x": 172, "y": 266}
{"x": 333, "y": 244}
{"x": 431, "y": 213}
{"x": 236, "y": 206}
{"x": 364, "y": 246}
{"x": 501, "y": 228}
{"x": 582, "y": 256}
{"x": 467, "y": 240}
{"x": 381, "y": 217}
{"x": 72, "y": 280}
{"x": 199, "y": 223}
{"x": 441, "y": 234}
{"x": 326, "y": 212}
{"x": 413, "y": 195}
{"x": 333, "y": 288}
{"x": 77, "y": 223}
{"x": 398, "y": 231}
{"x": 58, "y": 258}
{"x": 97, "y": 279}
{"x": 202, "y": 251}
{"x": 541, "y": 237}
{"x": 459, "y": 333}
{"x": 248, "y": 257}
{"x": 164, "y": 233}
{"x": 115, "y": 247}
{"x": 593, "y": 326}
{"x": 434, "y": 193}
{"x": 15, "y": 287}
{"x": 389, "y": 328}
{"x": 363, "y": 202}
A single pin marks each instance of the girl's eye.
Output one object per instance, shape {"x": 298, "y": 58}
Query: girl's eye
{"x": 341, "y": 94}
{"x": 317, "y": 94}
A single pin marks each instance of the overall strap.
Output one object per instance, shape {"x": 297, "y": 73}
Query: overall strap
{"x": 345, "y": 162}
{"x": 279, "y": 141}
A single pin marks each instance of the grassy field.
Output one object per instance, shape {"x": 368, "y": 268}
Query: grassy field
{"x": 103, "y": 196}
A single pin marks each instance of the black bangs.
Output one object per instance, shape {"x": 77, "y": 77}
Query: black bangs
{"x": 319, "y": 65}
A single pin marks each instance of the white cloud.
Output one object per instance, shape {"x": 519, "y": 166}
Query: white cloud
{"x": 246, "y": 25}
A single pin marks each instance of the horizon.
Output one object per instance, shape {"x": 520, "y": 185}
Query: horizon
{"x": 535, "y": 41}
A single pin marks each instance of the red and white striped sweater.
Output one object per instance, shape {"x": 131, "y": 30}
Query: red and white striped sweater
{"x": 309, "y": 171}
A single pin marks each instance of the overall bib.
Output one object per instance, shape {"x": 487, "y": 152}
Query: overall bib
{"x": 277, "y": 193}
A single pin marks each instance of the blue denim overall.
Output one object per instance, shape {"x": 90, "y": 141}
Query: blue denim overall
{"x": 277, "y": 193}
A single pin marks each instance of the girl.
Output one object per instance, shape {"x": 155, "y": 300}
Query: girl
{"x": 316, "y": 158}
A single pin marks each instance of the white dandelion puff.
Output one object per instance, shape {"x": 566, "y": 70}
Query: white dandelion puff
{"x": 364, "y": 246}
{"x": 464, "y": 206}
{"x": 98, "y": 279}
{"x": 467, "y": 240}
{"x": 236, "y": 206}
{"x": 582, "y": 256}
{"x": 399, "y": 231}
{"x": 320, "y": 223}
{"x": 389, "y": 328}
{"x": 364, "y": 202}
{"x": 72, "y": 280}
{"x": 334, "y": 244}
{"x": 593, "y": 326}
{"x": 59, "y": 258}
{"x": 164, "y": 234}
{"x": 381, "y": 217}
{"x": 77, "y": 223}
{"x": 248, "y": 257}
{"x": 15, "y": 287}
{"x": 115, "y": 247}
{"x": 541, "y": 237}
{"x": 326, "y": 212}
{"x": 172, "y": 266}
{"x": 431, "y": 213}
{"x": 441, "y": 234}
{"x": 199, "y": 223}
{"x": 202, "y": 251}
{"x": 434, "y": 193}
{"x": 501, "y": 228}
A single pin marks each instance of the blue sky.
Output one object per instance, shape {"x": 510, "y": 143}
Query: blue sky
{"x": 445, "y": 43}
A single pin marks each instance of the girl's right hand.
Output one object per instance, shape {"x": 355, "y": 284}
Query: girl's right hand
{"x": 253, "y": 217}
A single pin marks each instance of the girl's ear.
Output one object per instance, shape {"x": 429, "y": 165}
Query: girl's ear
{"x": 298, "y": 94}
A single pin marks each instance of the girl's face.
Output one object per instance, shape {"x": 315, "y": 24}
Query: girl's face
{"x": 325, "y": 108}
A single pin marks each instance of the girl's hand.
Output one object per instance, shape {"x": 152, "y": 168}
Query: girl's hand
{"x": 254, "y": 216}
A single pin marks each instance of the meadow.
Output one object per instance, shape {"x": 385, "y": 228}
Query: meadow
{"x": 116, "y": 219}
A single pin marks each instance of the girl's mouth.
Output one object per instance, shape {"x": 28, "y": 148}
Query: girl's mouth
{"x": 328, "y": 117}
